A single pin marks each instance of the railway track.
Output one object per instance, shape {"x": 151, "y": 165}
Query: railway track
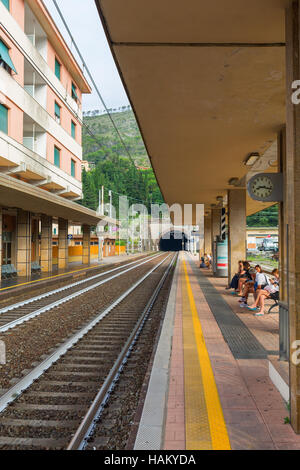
{"x": 16, "y": 314}
{"x": 60, "y": 399}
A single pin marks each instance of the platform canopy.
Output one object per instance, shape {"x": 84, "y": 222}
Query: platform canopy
{"x": 206, "y": 80}
{"x": 18, "y": 194}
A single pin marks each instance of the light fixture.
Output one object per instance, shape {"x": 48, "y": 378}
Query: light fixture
{"x": 219, "y": 198}
{"x": 251, "y": 159}
{"x": 233, "y": 181}
{"x": 273, "y": 163}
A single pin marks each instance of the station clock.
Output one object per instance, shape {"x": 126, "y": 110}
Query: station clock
{"x": 266, "y": 187}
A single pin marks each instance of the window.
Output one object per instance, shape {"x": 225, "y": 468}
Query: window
{"x": 57, "y": 112}
{"x": 5, "y": 60}
{"x": 3, "y": 119}
{"x": 57, "y": 69}
{"x": 73, "y": 166}
{"x": 56, "y": 157}
{"x": 74, "y": 94}
{"x": 6, "y": 3}
{"x": 73, "y": 129}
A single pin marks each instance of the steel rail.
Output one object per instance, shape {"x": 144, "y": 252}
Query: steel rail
{"x": 92, "y": 417}
{"x": 14, "y": 392}
{"x": 69, "y": 286}
{"x": 57, "y": 303}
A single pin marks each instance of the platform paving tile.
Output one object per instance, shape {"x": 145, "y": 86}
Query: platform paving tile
{"x": 265, "y": 329}
{"x": 253, "y": 409}
{"x": 174, "y": 437}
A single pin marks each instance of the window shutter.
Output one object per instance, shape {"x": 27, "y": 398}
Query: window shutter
{"x": 6, "y": 3}
{"x": 74, "y": 94}
{"x": 73, "y": 168}
{"x": 3, "y": 119}
{"x": 73, "y": 129}
{"x": 56, "y": 157}
{"x": 57, "y": 69}
{"x": 57, "y": 110}
{"x": 4, "y": 55}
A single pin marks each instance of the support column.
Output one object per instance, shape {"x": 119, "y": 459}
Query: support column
{"x": 200, "y": 223}
{"x": 0, "y": 239}
{"x": 23, "y": 258}
{"x": 215, "y": 232}
{"x": 236, "y": 229}
{"x": 86, "y": 244}
{"x": 282, "y": 216}
{"x": 63, "y": 256}
{"x": 36, "y": 241}
{"x": 207, "y": 234}
{"x": 46, "y": 244}
{"x": 293, "y": 202}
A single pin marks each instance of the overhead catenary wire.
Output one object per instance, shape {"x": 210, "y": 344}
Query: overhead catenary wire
{"x": 93, "y": 82}
{"x": 129, "y": 197}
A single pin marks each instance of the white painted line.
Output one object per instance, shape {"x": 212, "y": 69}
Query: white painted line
{"x": 279, "y": 383}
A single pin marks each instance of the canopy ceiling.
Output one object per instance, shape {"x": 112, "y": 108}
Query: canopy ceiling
{"x": 207, "y": 83}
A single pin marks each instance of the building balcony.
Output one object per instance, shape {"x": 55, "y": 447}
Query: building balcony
{"x": 34, "y": 84}
{"x": 35, "y": 33}
{"x": 19, "y": 160}
{"x": 30, "y": 106}
{"x": 34, "y": 137}
{"x": 33, "y": 48}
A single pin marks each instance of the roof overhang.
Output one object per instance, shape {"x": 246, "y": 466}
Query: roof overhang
{"x": 206, "y": 80}
{"x": 18, "y": 194}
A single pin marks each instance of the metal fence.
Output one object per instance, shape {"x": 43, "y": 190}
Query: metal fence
{"x": 284, "y": 332}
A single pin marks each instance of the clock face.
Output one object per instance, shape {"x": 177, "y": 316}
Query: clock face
{"x": 262, "y": 187}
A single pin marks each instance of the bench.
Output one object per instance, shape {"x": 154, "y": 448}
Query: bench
{"x": 8, "y": 270}
{"x": 274, "y": 297}
{"x": 35, "y": 267}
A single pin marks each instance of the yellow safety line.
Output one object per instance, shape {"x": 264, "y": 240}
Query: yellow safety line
{"x": 197, "y": 430}
{"x": 51, "y": 277}
{"x": 218, "y": 430}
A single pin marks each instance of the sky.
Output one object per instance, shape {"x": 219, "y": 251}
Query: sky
{"x": 85, "y": 25}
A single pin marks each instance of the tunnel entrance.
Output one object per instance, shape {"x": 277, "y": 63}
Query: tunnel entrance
{"x": 173, "y": 241}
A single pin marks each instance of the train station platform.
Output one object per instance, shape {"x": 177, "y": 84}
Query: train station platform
{"x": 74, "y": 270}
{"x": 210, "y": 387}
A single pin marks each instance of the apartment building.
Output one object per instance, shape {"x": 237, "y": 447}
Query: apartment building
{"x": 41, "y": 88}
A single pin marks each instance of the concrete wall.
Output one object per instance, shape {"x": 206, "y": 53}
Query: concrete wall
{"x": 65, "y": 158}
{"x": 17, "y": 11}
{"x": 15, "y": 120}
{"x": 66, "y": 79}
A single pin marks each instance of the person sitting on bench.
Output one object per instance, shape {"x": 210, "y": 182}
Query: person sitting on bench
{"x": 245, "y": 276}
{"x": 259, "y": 281}
{"x": 264, "y": 294}
{"x": 235, "y": 280}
